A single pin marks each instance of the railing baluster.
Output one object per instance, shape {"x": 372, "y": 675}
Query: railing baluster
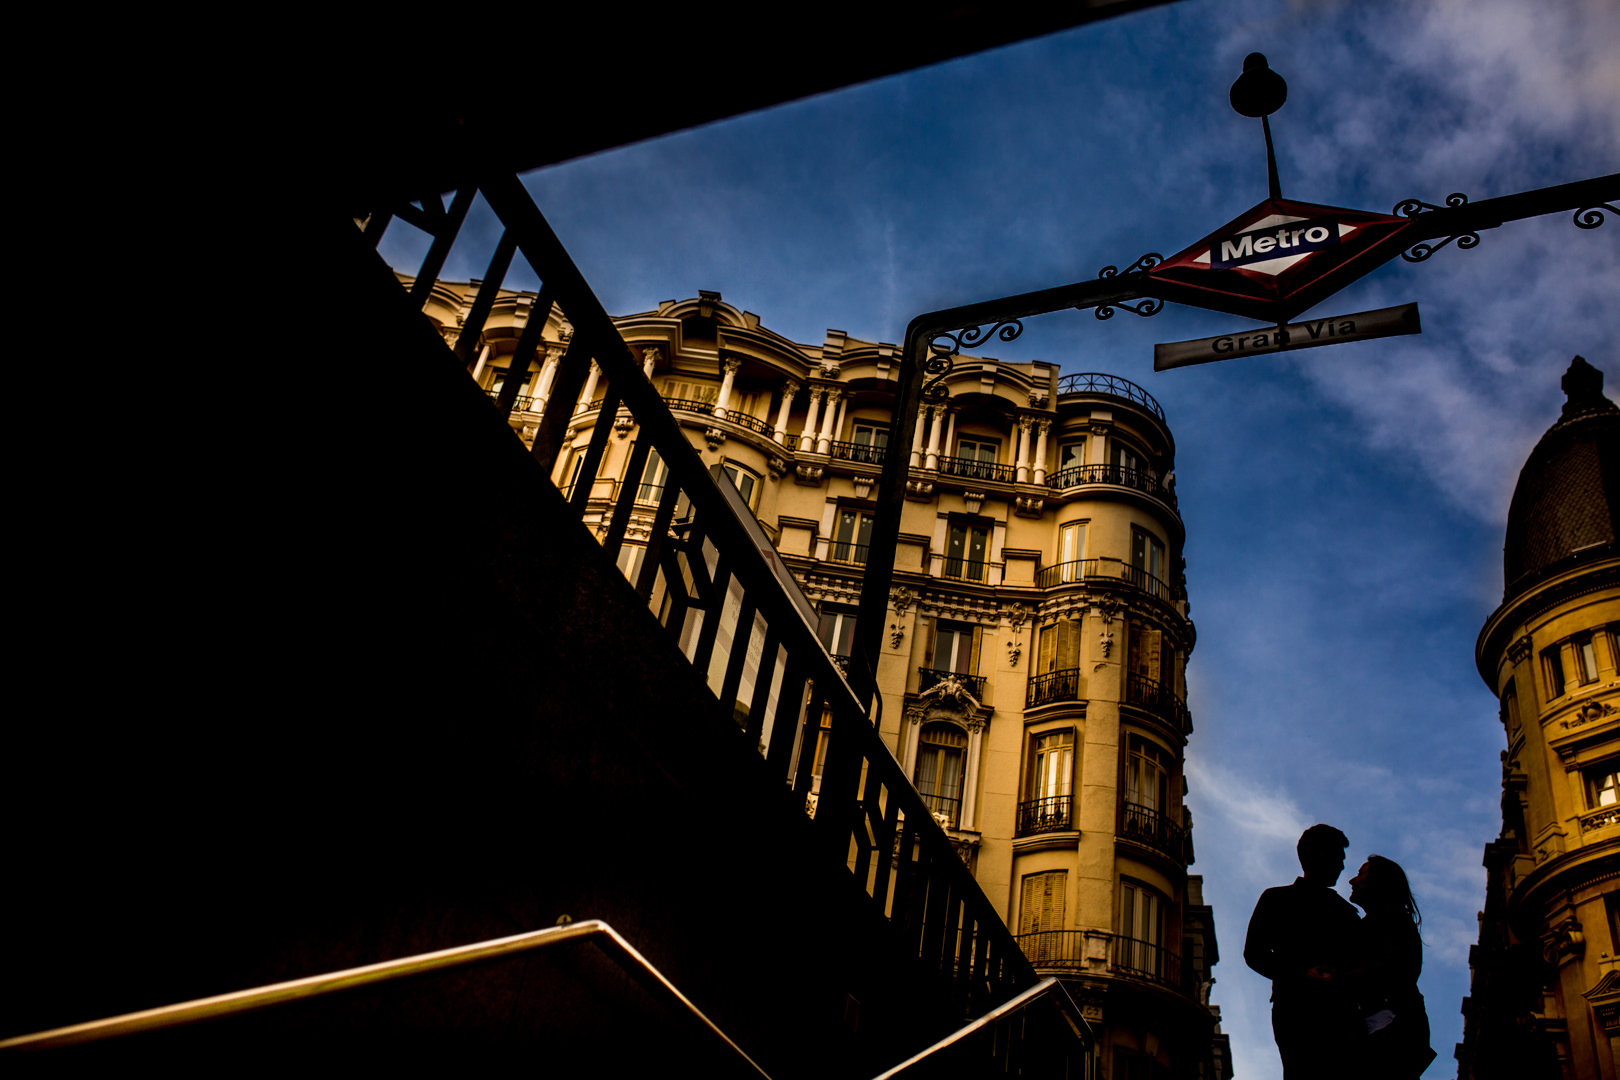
{"x": 517, "y": 373}
{"x": 712, "y": 617}
{"x": 741, "y": 638}
{"x": 627, "y": 500}
{"x": 443, "y": 237}
{"x": 786, "y": 725}
{"x": 595, "y": 450}
{"x": 657, "y": 538}
{"x": 762, "y": 685}
{"x": 484, "y": 302}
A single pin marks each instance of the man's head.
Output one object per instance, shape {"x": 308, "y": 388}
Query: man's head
{"x": 1321, "y": 854}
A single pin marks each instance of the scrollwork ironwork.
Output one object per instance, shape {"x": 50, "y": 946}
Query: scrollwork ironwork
{"x": 1409, "y": 208}
{"x": 945, "y": 345}
{"x": 1146, "y": 308}
{"x": 1590, "y": 217}
{"x": 1146, "y": 262}
{"x": 1420, "y": 252}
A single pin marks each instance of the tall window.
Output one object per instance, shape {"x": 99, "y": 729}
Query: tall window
{"x": 1071, "y": 454}
{"x": 1071, "y": 549}
{"x": 1141, "y": 924}
{"x": 1049, "y": 783}
{"x": 652, "y": 479}
{"x": 941, "y": 755}
{"x": 853, "y": 536}
{"x": 837, "y": 631}
{"x": 745, "y": 481}
{"x": 1552, "y": 671}
{"x": 871, "y": 435}
{"x": 1147, "y": 656}
{"x": 1060, "y": 647}
{"x": 1147, "y": 776}
{"x": 1602, "y": 784}
{"x": 956, "y": 648}
{"x": 977, "y": 458}
{"x": 1585, "y": 659}
{"x": 966, "y": 549}
{"x": 1041, "y": 912}
{"x": 1126, "y": 458}
{"x": 1147, "y": 557}
{"x": 684, "y": 390}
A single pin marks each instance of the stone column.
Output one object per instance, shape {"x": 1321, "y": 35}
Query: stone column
{"x": 932, "y": 461}
{"x": 917, "y": 436}
{"x": 483, "y": 358}
{"x": 843, "y": 407}
{"x": 789, "y": 389}
{"x": 1041, "y": 428}
{"x": 649, "y": 357}
{"x": 823, "y": 443}
{"x": 950, "y": 431}
{"x": 590, "y": 387}
{"x": 723, "y": 402}
{"x": 1023, "y": 450}
{"x": 542, "y": 387}
{"x": 807, "y": 438}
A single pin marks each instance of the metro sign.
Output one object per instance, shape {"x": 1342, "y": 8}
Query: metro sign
{"x": 1278, "y": 259}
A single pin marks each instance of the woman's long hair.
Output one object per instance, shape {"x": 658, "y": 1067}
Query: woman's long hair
{"x": 1390, "y": 886}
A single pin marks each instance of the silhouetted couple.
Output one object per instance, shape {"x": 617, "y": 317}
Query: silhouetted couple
{"x": 1344, "y": 996}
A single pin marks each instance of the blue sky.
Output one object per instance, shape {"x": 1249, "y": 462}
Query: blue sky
{"x": 1344, "y": 506}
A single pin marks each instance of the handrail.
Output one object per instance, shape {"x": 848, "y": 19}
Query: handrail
{"x": 1097, "y": 382}
{"x": 1141, "y": 479}
{"x": 1077, "y": 571}
{"x": 853, "y": 451}
{"x": 1049, "y": 985}
{"x": 976, "y": 469}
{"x": 869, "y": 819}
{"x": 593, "y": 931}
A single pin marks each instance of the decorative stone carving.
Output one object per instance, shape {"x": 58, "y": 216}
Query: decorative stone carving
{"x": 1519, "y": 651}
{"x": 863, "y": 486}
{"x": 809, "y": 475}
{"x": 777, "y": 466}
{"x": 1014, "y": 651}
{"x": 1015, "y": 616}
{"x": 897, "y": 634}
{"x": 901, "y": 598}
{"x": 622, "y": 423}
{"x": 1029, "y": 506}
{"x": 950, "y": 689}
{"x": 714, "y": 437}
{"x": 1589, "y": 713}
{"x": 914, "y": 715}
{"x": 972, "y": 500}
{"x": 830, "y": 371}
{"x": 921, "y": 490}
{"x": 1563, "y": 942}
{"x": 1037, "y": 399}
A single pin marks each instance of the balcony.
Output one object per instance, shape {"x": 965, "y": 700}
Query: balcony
{"x": 845, "y": 552}
{"x": 974, "y": 469}
{"x": 1145, "y": 480}
{"x": 946, "y": 809}
{"x": 1155, "y": 697}
{"x": 1096, "y": 382}
{"x": 928, "y": 678}
{"x": 1050, "y": 814}
{"x": 1065, "y": 684}
{"x": 1130, "y": 957}
{"x": 1151, "y": 829}
{"x": 1085, "y": 570}
{"x": 865, "y": 453}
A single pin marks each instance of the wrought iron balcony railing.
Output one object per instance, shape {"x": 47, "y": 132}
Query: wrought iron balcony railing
{"x": 869, "y": 818}
{"x": 707, "y": 408}
{"x": 845, "y": 552}
{"x": 1096, "y": 382}
{"x": 1146, "y": 960}
{"x": 946, "y": 809}
{"x": 928, "y": 678}
{"x": 1052, "y": 813}
{"x": 1065, "y": 684}
{"x": 1156, "y": 698}
{"x": 1146, "y": 480}
{"x": 1152, "y": 829}
{"x": 974, "y": 469}
{"x": 1078, "y": 571}
{"x": 865, "y": 453}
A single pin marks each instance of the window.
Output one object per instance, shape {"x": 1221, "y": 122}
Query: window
{"x": 745, "y": 481}
{"x": 1071, "y": 549}
{"x": 1510, "y": 710}
{"x": 871, "y": 435}
{"x": 976, "y": 458}
{"x": 573, "y": 472}
{"x": 1602, "y": 784}
{"x": 1147, "y": 658}
{"x": 1042, "y": 905}
{"x": 1060, "y": 647}
{"x": 1071, "y": 454}
{"x": 683, "y": 390}
{"x": 965, "y": 550}
{"x": 956, "y": 648}
{"x": 1126, "y": 459}
{"x": 853, "y": 536}
{"x": 941, "y": 753}
{"x": 1585, "y": 659}
{"x": 1141, "y": 925}
{"x": 1147, "y": 562}
{"x": 1049, "y": 783}
{"x": 1147, "y": 776}
{"x": 652, "y": 479}
{"x": 837, "y": 631}
{"x": 1552, "y": 672}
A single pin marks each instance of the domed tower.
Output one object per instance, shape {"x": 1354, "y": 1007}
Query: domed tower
{"x": 1545, "y": 996}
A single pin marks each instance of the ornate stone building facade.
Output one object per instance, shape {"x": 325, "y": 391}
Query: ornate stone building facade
{"x": 1032, "y": 679}
{"x": 1545, "y": 995}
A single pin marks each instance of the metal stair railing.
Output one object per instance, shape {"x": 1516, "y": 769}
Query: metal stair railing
{"x": 712, "y": 580}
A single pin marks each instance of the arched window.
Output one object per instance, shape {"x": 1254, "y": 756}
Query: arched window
{"x": 941, "y": 755}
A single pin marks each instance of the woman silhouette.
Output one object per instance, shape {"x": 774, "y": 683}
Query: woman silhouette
{"x": 1390, "y": 958}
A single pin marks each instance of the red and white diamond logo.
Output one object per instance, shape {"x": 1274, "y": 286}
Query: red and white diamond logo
{"x": 1278, "y": 259}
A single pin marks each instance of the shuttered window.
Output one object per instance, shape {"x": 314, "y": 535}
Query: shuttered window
{"x": 1060, "y": 647}
{"x": 956, "y": 648}
{"x": 1042, "y": 907}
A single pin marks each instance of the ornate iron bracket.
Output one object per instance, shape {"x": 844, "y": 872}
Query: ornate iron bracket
{"x": 1146, "y": 308}
{"x": 944, "y": 346}
{"x": 1146, "y": 262}
{"x": 1590, "y": 217}
{"x": 1411, "y": 208}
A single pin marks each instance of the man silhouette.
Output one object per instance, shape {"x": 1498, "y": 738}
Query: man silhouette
{"x": 1298, "y": 935}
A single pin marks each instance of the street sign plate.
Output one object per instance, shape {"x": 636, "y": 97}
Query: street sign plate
{"x": 1278, "y": 259}
{"x": 1329, "y": 330}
